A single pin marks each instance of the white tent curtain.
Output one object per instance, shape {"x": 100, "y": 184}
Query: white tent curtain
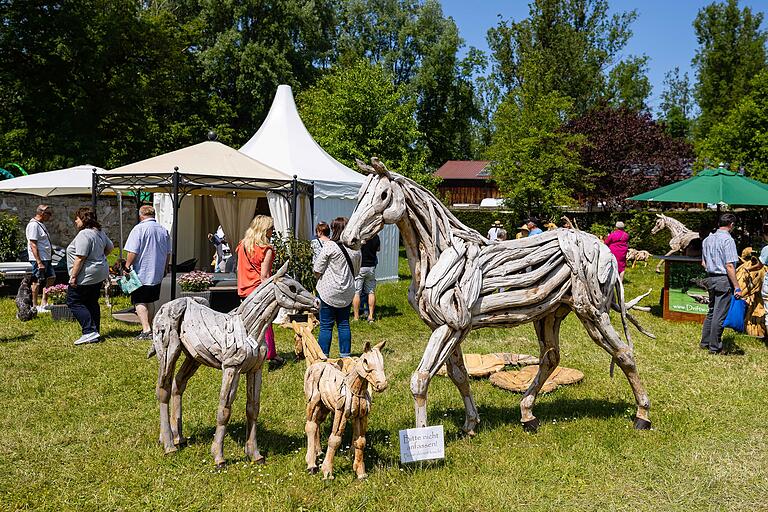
{"x": 235, "y": 214}
{"x": 281, "y": 213}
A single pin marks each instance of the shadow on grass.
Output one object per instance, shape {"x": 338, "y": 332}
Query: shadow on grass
{"x": 269, "y": 441}
{"x": 492, "y": 417}
{"x": 16, "y": 339}
{"x": 731, "y": 348}
{"x": 385, "y": 311}
{"x": 122, "y": 332}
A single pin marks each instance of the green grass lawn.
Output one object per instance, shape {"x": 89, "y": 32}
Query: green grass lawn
{"x": 80, "y": 427}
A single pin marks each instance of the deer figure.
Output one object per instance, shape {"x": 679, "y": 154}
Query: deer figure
{"x": 328, "y": 389}
{"x": 232, "y": 342}
{"x": 681, "y": 235}
{"x": 457, "y": 277}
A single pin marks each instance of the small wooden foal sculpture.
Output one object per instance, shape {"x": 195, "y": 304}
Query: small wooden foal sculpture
{"x": 232, "y": 342}
{"x": 327, "y": 389}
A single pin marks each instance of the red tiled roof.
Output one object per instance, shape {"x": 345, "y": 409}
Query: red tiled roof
{"x": 463, "y": 170}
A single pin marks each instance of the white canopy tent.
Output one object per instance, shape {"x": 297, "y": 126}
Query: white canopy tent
{"x": 284, "y": 143}
{"x": 233, "y": 182}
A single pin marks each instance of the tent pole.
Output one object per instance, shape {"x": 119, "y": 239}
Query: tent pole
{"x": 312, "y": 205}
{"x": 294, "y": 226}
{"x": 175, "y": 229}
{"x": 120, "y": 219}
{"x": 94, "y": 190}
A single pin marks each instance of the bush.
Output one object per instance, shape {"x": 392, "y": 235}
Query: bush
{"x": 300, "y": 254}
{"x": 11, "y": 237}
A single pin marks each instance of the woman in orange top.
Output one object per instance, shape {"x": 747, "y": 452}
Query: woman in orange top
{"x": 254, "y": 265}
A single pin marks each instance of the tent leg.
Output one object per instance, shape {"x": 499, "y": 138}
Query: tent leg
{"x": 175, "y": 229}
{"x": 294, "y": 204}
{"x": 94, "y": 190}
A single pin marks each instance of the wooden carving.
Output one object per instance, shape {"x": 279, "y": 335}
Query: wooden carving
{"x": 346, "y": 395}
{"x": 681, "y": 235}
{"x": 233, "y": 343}
{"x": 458, "y": 275}
{"x": 634, "y": 256}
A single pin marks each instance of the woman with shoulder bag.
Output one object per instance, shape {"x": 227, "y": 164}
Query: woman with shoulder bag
{"x": 254, "y": 265}
{"x": 88, "y": 268}
{"x": 336, "y": 267}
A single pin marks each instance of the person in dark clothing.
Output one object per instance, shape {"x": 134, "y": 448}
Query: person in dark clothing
{"x": 365, "y": 282}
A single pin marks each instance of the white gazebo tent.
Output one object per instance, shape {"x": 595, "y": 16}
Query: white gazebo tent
{"x": 232, "y": 180}
{"x": 284, "y": 143}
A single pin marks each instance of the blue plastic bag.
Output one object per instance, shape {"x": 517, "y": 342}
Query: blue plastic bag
{"x": 736, "y": 313}
{"x": 130, "y": 283}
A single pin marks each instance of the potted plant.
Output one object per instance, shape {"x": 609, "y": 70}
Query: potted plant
{"x": 57, "y": 298}
{"x": 196, "y": 284}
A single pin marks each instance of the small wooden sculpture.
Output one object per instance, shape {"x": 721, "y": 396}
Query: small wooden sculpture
{"x": 681, "y": 235}
{"x": 751, "y": 284}
{"x": 457, "y": 278}
{"x": 233, "y": 343}
{"x": 634, "y": 256}
{"x": 328, "y": 389}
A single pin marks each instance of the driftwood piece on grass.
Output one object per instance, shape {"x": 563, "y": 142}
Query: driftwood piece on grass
{"x": 347, "y": 396}
{"x": 462, "y": 281}
{"x": 520, "y": 380}
{"x": 233, "y": 343}
{"x": 483, "y": 365}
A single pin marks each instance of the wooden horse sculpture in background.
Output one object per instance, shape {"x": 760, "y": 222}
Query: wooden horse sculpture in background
{"x": 634, "y": 256}
{"x": 457, "y": 277}
{"x": 328, "y": 389}
{"x": 233, "y": 343}
{"x": 681, "y": 235}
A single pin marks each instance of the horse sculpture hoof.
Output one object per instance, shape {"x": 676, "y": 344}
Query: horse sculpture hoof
{"x": 221, "y": 465}
{"x": 641, "y": 424}
{"x": 312, "y": 471}
{"x": 531, "y": 426}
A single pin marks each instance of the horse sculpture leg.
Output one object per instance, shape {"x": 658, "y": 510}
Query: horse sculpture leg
{"x": 442, "y": 342}
{"x": 457, "y": 371}
{"x": 165, "y": 371}
{"x": 334, "y": 441}
{"x": 359, "y": 428}
{"x": 661, "y": 262}
{"x": 548, "y": 333}
{"x": 603, "y": 333}
{"x": 252, "y": 406}
{"x": 229, "y": 381}
{"x": 312, "y": 429}
{"x": 187, "y": 370}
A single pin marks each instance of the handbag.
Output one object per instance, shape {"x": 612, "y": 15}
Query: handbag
{"x": 130, "y": 283}
{"x": 736, "y": 313}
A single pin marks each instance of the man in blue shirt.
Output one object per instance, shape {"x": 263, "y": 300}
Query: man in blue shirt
{"x": 533, "y": 227}
{"x": 149, "y": 249}
{"x": 719, "y": 257}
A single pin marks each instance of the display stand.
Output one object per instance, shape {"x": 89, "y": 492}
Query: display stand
{"x": 684, "y": 295}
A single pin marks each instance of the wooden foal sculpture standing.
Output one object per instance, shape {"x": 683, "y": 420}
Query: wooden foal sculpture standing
{"x": 681, "y": 235}
{"x": 328, "y": 389}
{"x": 457, "y": 275}
{"x": 233, "y": 343}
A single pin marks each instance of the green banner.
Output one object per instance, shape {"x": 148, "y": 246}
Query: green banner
{"x": 687, "y": 288}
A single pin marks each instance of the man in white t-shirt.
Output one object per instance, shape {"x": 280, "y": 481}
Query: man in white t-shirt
{"x": 40, "y": 252}
{"x": 493, "y": 233}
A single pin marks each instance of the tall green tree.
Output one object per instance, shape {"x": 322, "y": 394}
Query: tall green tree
{"x": 356, "y": 111}
{"x": 731, "y": 52}
{"x": 676, "y": 109}
{"x": 535, "y": 163}
{"x": 741, "y": 139}
{"x": 566, "y": 46}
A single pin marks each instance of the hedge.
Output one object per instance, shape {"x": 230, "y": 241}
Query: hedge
{"x": 638, "y": 225}
{"x": 12, "y": 239}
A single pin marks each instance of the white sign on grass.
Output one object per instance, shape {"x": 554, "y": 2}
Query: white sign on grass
{"x": 422, "y": 444}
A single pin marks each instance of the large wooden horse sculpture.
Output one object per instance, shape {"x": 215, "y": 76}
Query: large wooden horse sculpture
{"x": 681, "y": 235}
{"x": 233, "y": 343}
{"x": 457, "y": 275}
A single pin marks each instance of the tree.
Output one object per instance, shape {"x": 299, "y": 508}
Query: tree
{"x": 357, "y": 112}
{"x": 677, "y": 104}
{"x": 626, "y": 152}
{"x": 731, "y": 52}
{"x": 566, "y": 47}
{"x": 741, "y": 139}
{"x": 628, "y": 85}
{"x": 535, "y": 163}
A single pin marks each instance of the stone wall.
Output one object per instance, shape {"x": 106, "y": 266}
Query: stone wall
{"x": 61, "y": 227}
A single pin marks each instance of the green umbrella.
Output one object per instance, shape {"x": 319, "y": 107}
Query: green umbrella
{"x": 713, "y": 186}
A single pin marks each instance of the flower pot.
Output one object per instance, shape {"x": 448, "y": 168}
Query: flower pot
{"x": 204, "y": 294}
{"x": 61, "y": 312}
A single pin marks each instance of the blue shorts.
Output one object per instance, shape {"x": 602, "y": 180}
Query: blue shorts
{"x": 42, "y": 273}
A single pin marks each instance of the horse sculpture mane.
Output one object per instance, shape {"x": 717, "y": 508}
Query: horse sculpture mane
{"x": 463, "y": 281}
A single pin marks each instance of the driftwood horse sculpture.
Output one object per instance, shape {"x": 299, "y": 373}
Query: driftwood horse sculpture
{"x": 681, "y": 235}
{"x": 232, "y": 342}
{"x": 347, "y": 395}
{"x": 457, "y": 275}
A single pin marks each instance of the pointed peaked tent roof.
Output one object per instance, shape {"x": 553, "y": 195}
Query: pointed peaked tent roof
{"x": 284, "y": 143}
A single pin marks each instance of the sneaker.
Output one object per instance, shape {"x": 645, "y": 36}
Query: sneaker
{"x": 276, "y": 363}
{"x": 144, "y": 335}
{"x": 43, "y": 309}
{"x": 91, "y": 337}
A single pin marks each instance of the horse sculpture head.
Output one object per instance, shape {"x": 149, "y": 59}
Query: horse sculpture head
{"x": 660, "y": 224}
{"x": 380, "y": 201}
{"x": 370, "y": 366}
{"x": 290, "y": 294}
